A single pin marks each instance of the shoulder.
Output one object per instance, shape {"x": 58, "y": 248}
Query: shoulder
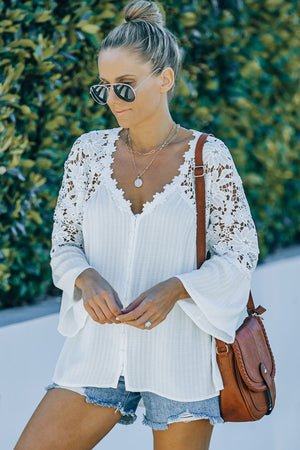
{"x": 90, "y": 144}
{"x": 217, "y": 159}
{"x": 91, "y": 138}
{"x": 216, "y": 153}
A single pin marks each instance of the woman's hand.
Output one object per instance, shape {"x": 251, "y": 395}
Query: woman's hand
{"x": 100, "y": 300}
{"x": 153, "y": 305}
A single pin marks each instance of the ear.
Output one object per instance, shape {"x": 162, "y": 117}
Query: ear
{"x": 167, "y": 79}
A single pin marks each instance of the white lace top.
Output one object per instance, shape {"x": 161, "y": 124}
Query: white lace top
{"x": 94, "y": 226}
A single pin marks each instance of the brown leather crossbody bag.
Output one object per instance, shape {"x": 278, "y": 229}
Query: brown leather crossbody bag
{"x": 247, "y": 366}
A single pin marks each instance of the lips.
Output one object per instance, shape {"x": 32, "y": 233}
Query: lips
{"x": 123, "y": 111}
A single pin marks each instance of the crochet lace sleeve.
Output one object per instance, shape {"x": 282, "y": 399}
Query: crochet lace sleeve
{"x": 68, "y": 259}
{"x": 219, "y": 289}
{"x": 231, "y": 230}
{"x": 68, "y": 212}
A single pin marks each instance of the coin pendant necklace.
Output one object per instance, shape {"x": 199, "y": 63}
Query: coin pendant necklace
{"x": 138, "y": 182}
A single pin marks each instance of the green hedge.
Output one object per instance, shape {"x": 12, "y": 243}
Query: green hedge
{"x": 240, "y": 81}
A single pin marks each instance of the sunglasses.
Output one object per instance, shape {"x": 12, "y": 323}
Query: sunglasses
{"x": 125, "y": 92}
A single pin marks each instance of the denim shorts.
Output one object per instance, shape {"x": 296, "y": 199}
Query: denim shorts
{"x": 160, "y": 411}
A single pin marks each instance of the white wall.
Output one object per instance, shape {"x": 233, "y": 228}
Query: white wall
{"x": 28, "y": 351}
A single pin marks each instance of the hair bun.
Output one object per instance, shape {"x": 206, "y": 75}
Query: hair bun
{"x": 143, "y": 10}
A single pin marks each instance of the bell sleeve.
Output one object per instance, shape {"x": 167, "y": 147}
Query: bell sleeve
{"x": 68, "y": 259}
{"x": 219, "y": 290}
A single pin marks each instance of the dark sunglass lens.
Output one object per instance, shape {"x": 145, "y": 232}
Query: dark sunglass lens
{"x": 125, "y": 93}
{"x": 99, "y": 94}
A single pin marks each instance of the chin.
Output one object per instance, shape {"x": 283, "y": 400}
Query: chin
{"x": 123, "y": 122}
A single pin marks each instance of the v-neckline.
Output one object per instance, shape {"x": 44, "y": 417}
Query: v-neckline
{"x": 119, "y": 192}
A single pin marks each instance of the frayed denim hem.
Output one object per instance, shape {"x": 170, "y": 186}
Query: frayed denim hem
{"x": 164, "y": 425}
{"x": 128, "y": 417}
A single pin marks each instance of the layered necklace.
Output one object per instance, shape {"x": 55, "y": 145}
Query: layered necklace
{"x": 138, "y": 182}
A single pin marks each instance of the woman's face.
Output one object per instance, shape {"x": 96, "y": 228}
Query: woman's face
{"x": 123, "y": 66}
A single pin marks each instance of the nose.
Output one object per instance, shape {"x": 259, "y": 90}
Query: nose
{"x": 112, "y": 97}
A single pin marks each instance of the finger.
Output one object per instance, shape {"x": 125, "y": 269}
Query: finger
{"x": 104, "y": 311}
{"x": 133, "y": 315}
{"x": 102, "y": 316}
{"x": 118, "y": 301}
{"x": 91, "y": 312}
{"x": 145, "y": 318}
{"x": 112, "y": 305}
{"x": 154, "y": 322}
{"x": 95, "y": 314}
{"x": 141, "y": 323}
{"x": 132, "y": 305}
{"x": 101, "y": 301}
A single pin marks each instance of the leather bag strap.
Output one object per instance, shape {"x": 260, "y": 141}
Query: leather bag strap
{"x": 200, "y": 200}
{"x": 200, "y": 205}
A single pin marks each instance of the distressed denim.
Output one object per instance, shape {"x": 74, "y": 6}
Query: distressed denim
{"x": 160, "y": 411}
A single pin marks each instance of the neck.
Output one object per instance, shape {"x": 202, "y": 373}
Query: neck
{"x": 152, "y": 134}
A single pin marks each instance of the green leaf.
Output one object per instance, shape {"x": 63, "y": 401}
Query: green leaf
{"x": 89, "y": 28}
{"x": 22, "y": 43}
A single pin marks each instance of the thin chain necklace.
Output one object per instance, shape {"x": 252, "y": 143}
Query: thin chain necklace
{"x": 138, "y": 182}
{"x": 154, "y": 150}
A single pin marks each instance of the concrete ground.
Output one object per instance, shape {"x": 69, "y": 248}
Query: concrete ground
{"x": 30, "y": 343}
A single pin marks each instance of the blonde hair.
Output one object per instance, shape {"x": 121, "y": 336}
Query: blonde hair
{"x": 145, "y": 34}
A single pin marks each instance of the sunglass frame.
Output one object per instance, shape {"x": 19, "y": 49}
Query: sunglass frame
{"x": 118, "y": 84}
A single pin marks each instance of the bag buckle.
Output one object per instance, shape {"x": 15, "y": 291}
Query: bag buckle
{"x": 199, "y": 168}
{"x": 226, "y": 351}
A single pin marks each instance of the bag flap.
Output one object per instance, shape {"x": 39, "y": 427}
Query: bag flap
{"x": 251, "y": 348}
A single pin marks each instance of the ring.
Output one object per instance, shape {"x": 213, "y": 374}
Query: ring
{"x": 148, "y": 324}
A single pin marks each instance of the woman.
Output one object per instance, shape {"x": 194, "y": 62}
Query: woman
{"x": 139, "y": 318}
